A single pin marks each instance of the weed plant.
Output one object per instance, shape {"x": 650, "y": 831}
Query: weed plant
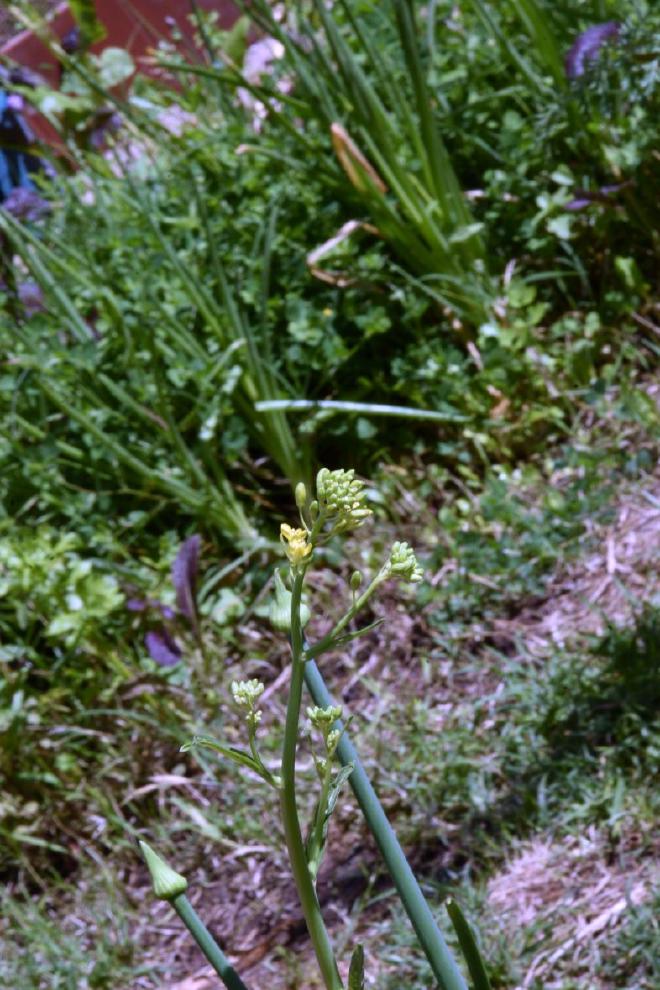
{"x": 176, "y": 296}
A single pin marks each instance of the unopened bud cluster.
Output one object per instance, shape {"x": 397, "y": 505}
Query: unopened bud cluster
{"x": 342, "y": 499}
{"x": 403, "y": 563}
{"x": 323, "y": 719}
{"x": 246, "y": 694}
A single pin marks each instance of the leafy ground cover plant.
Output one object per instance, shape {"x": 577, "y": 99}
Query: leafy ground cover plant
{"x": 91, "y": 640}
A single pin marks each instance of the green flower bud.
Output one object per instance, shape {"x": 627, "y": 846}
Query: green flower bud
{"x": 301, "y": 495}
{"x": 356, "y": 580}
{"x": 333, "y": 741}
{"x": 167, "y": 883}
{"x": 280, "y": 607}
{"x": 323, "y": 717}
{"x": 403, "y": 563}
{"x": 342, "y": 498}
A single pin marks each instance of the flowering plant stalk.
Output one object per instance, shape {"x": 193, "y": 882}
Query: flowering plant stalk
{"x": 339, "y": 506}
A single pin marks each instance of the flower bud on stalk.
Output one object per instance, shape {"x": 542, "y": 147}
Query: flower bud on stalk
{"x": 301, "y": 495}
{"x": 167, "y": 883}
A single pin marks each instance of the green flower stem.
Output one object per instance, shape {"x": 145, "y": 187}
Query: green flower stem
{"x": 430, "y": 937}
{"x": 294, "y": 840}
{"x": 207, "y": 944}
{"x": 326, "y": 643}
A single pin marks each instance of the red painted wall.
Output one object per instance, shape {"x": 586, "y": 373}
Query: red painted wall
{"x": 135, "y": 25}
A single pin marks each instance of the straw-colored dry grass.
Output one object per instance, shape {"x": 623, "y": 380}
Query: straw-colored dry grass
{"x": 575, "y": 893}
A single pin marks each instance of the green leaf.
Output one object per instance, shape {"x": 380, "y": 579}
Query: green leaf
{"x": 238, "y": 756}
{"x": 356, "y": 969}
{"x": 115, "y": 66}
{"x": 84, "y": 13}
{"x": 318, "y": 833}
{"x": 324, "y": 645}
{"x": 469, "y": 947}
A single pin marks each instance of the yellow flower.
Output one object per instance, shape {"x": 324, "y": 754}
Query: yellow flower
{"x": 295, "y": 543}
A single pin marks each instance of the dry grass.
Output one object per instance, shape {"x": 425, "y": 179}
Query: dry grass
{"x": 574, "y": 893}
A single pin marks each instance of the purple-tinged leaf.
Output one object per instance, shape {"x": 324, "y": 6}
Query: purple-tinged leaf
{"x": 137, "y": 604}
{"x": 603, "y": 196}
{"x": 146, "y": 604}
{"x": 162, "y": 648}
{"x": 184, "y": 576}
{"x": 587, "y": 45}
{"x": 26, "y": 204}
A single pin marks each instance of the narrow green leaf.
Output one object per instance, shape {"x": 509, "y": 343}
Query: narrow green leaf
{"x": 325, "y": 646}
{"x": 356, "y": 969}
{"x": 469, "y": 947}
{"x": 535, "y": 17}
{"x": 318, "y": 833}
{"x": 238, "y": 756}
{"x": 368, "y": 408}
{"x": 85, "y": 16}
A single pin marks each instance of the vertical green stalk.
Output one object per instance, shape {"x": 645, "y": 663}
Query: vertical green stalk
{"x": 430, "y": 937}
{"x": 205, "y": 941}
{"x": 294, "y": 840}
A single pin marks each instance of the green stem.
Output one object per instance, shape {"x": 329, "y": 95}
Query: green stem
{"x": 430, "y": 937}
{"x": 327, "y": 642}
{"x": 205, "y": 941}
{"x": 292, "y": 833}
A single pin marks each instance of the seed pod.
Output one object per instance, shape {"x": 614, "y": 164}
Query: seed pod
{"x": 167, "y": 883}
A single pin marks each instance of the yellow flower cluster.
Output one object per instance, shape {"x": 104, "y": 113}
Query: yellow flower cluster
{"x": 297, "y": 546}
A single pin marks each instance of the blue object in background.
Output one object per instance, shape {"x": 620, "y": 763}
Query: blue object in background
{"x": 16, "y": 162}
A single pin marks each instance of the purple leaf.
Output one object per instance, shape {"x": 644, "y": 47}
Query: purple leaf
{"x": 587, "y": 46}
{"x": 162, "y": 648}
{"x": 143, "y": 604}
{"x": 184, "y": 576}
{"x": 136, "y": 604}
{"x": 603, "y": 195}
{"x": 26, "y": 204}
